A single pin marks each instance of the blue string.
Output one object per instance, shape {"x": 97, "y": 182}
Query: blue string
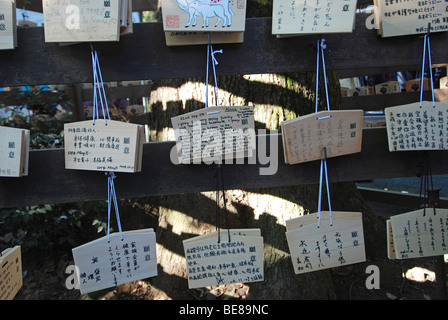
{"x": 98, "y": 93}
{"x": 112, "y": 197}
{"x": 214, "y": 64}
{"x": 427, "y": 50}
{"x": 321, "y": 46}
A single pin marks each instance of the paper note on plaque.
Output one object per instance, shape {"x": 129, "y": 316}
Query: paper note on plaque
{"x": 410, "y": 127}
{"x": 102, "y": 264}
{"x": 10, "y": 273}
{"x": 390, "y": 241}
{"x": 116, "y": 146}
{"x": 8, "y": 25}
{"x": 184, "y": 38}
{"x": 215, "y": 133}
{"x": 300, "y": 17}
{"x": 210, "y": 263}
{"x": 81, "y": 20}
{"x": 204, "y": 15}
{"x": 14, "y": 152}
{"x": 315, "y": 248}
{"x": 417, "y": 235}
{"x": 305, "y": 138}
{"x": 398, "y": 18}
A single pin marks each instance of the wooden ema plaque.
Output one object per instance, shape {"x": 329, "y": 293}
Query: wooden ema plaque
{"x": 301, "y": 17}
{"x": 8, "y": 25}
{"x": 14, "y": 152}
{"x": 305, "y": 138}
{"x": 416, "y": 235}
{"x": 315, "y": 248}
{"x": 398, "y": 18}
{"x": 116, "y": 147}
{"x": 81, "y": 20}
{"x": 210, "y": 263}
{"x": 102, "y": 264}
{"x": 204, "y": 15}
{"x": 411, "y": 127}
{"x": 10, "y": 273}
{"x": 215, "y": 133}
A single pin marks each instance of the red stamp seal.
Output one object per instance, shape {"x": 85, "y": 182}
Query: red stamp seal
{"x": 172, "y": 21}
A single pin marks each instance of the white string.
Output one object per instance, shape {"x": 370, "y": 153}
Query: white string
{"x": 427, "y": 50}
{"x": 211, "y": 53}
{"x": 112, "y": 197}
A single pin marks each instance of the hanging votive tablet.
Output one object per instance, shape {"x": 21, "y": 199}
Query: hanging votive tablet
{"x": 14, "y": 151}
{"x": 329, "y": 245}
{"x": 415, "y": 127}
{"x": 11, "y": 279}
{"x": 210, "y": 262}
{"x": 215, "y": 133}
{"x": 420, "y": 233}
{"x": 305, "y": 137}
{"x": 116, "y": 147}
{"x": 126, "y": 257}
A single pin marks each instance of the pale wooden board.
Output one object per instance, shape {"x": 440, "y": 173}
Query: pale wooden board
{"x": 417, "y": 235}
{"x": 183, "y": 38}
{"x": 205, "y": 135}
{"x": 104, "y": 264}
{"x": 14, "y": 150}
{"x": 8, "y": 28}
{"x": 301, "y": 17}
{"x": 411, "y": 17}
{"x": 180, "y": 15}
{"x": 315, "y": 248}
{"x": 10, "y": 273}
{"x": 211, "y": 263}
{"x": 390, "y": 241}
{"x": 304, "y": 138}
{"x": 410, "y": 127}
{"x": 97, "y": 22}
{"x": 94, "y": 147}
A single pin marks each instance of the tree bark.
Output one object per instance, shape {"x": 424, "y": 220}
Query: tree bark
{"x": 275, "y": 98}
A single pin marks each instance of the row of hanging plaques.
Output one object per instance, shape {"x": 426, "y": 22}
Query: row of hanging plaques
{"x": 188, "y": 22}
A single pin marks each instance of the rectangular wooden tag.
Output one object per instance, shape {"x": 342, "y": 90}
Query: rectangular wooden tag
{"x": 210, "y": 263}
{"x": 81, "y": 20}
{"x": 8, "y": 25}
{"x": 315, "y": 248}
{"x": 10, "y": 273}
{"x": 215, "y": 133}
{"x": 301, "y": 17}
{"x": 390, "y": 241}
{"x": 204, "y": 15}
{"x": 304, "y": 138}
{"x": 102, "y": 264}
{"x": 116, "y": 146}
{"x": 410, "y": 127}
{"x": 416, "y": 235}
{"x": 398, "y": 18}
{"x": 14, "y": 152}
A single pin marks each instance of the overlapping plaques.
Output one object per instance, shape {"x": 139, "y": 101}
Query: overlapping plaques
{"x": 215, "y": 133}
{"x": 414, "y": 127}
{"x": 10, "y": 273}
{"x": 14, "y": 151}
{"x": 316, "y": 247}
{"x": 417, "y": 234}
{"x": 339, "y": 132}
{"x": 116, "y": 147}
{"x": 188, "y": 22}
{"x": 398, "y": 18}
{"x": 8, "y": 25}
{"x": 302, "y": 17}
{"x": 86, "y": 20}
{"x": 211, "y": 262}
{"x": 103, "y": 264}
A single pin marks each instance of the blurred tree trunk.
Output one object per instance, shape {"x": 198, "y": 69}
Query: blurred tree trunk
{"x": 275, "y": 98}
